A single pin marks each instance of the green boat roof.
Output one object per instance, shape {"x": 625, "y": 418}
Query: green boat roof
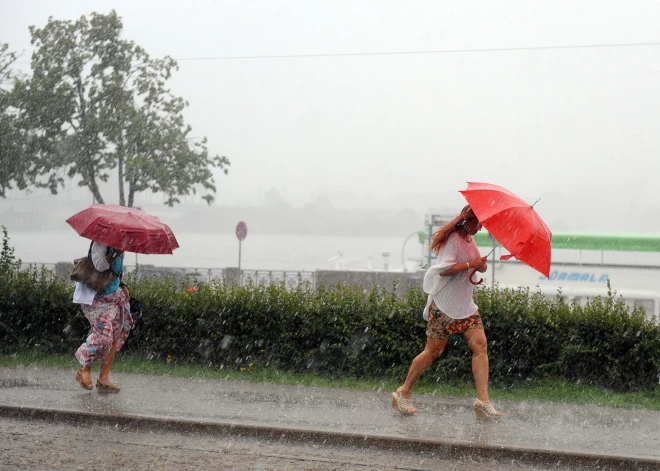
{"x": 592, "y": 241}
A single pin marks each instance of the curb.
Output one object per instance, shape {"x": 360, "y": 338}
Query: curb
{"x": 447, "y": 449}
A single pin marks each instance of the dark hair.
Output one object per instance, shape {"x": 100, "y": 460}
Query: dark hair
{"x": 441, "y": 236}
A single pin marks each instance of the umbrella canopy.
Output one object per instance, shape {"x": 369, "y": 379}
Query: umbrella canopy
{"x": 513, "y": 223}
{"x": 126, "y": 229}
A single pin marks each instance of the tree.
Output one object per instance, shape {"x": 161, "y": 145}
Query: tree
{"x": 8, "y": 261}
{"x": 98, "y": 104}
{"x": 13, "y": 165}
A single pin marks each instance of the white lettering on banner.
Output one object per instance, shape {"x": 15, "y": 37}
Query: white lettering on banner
{"x": 589, "y": 277}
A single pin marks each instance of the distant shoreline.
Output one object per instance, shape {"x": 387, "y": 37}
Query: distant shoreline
{"x": 223, "y": 220}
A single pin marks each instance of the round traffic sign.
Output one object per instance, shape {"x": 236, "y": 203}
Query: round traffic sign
{"x": 241, "y": 230}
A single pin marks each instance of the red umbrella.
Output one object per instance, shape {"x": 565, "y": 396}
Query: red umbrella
{"x": 126, "y": 229}
{"x": 513, "y": 223}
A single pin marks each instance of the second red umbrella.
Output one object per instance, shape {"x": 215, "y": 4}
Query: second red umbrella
{"x": 127, "y": 229}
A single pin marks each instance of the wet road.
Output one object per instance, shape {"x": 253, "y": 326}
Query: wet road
{"x": 540, "y": 434}
{"x": 43, "y": 445}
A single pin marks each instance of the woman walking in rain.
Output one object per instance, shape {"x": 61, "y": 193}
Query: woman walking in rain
{"x": 451, "y": 310}
{"x": 108, "y": 313}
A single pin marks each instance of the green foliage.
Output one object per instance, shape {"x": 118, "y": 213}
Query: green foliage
{"x": 347, "y": 331}
{"x": 97, "y": 103}
{"x": 36, "y": 308}
{"x": 8, "y": 261}
{"x": 524, "y": 330}
{"x": 36, "y": 311}
{"x": 603, "y": 343}
{"x": 13, "y": 164}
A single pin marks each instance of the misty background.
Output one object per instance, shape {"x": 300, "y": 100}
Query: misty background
{"x": 360, "y": 117}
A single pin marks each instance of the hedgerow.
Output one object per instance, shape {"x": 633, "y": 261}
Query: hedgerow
{"x": 343, "y": 330}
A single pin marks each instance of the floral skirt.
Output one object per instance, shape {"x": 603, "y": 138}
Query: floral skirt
{"x": 440, "y": 326}
{"x": 111, "y": 321}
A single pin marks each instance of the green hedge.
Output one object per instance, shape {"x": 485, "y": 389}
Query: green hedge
{"x": 345, "y": 330}
{"x": 36, "y": 311}
{"x": 332, "y": 330}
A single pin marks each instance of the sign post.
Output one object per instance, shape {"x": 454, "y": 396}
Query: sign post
{"x": 492, "y": 268}
{"x": 241, "y": 234}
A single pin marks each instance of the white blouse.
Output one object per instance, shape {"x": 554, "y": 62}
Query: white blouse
{"x": 452, "y": 294}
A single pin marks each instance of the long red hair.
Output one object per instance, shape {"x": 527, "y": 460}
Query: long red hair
{"x": 441, "y": 236}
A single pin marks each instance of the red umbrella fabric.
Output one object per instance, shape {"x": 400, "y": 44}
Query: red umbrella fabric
{"x": 127, "y": 229}
{"x": 513, "y": 223}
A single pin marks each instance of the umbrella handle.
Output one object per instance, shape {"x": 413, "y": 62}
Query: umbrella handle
{"x": 481, "y": 280}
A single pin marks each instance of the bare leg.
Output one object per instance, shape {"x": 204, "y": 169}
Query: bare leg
{"x": 104, "y": 373}
{"x": 476, "y": 340}
{"x": 420, "y": 364}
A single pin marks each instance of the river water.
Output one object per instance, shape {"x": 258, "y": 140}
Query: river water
{"x": 280, "y": 252}
{"x": 258, "y": 251}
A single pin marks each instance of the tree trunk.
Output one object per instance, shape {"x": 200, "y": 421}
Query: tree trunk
{"x": 120, "y": 174}
{"x": 93, "y": 187}
{"x": 91, "y": 178}
{"x": 131, "y": 194}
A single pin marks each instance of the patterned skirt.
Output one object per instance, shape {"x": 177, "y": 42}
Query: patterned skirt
{"x": 440, "y": 326}
{"x": 110, "y": 319}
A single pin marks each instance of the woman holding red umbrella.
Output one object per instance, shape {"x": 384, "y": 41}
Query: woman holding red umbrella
{"x": 451, "y": 310}
{"x": 108, "y": 313}
{"x": 114, "y": 229}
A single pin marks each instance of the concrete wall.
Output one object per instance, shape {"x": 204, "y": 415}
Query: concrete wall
{"x": 404, "y": 282}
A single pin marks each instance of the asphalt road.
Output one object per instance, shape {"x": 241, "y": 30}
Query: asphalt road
{"x": 38, "y": 445}
{"x": 160, "y": 422}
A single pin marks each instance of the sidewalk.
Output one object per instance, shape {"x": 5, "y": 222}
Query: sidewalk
{"x": 528, "y": 432}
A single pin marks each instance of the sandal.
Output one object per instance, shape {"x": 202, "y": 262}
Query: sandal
{"x": 106, "y": 388}
{"x": 402, "y": 404}
{"x": 485, "y": 410}
{"x": 85, "y": 385}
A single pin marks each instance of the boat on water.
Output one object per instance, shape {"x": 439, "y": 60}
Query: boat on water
{"x": 583, "y": 265}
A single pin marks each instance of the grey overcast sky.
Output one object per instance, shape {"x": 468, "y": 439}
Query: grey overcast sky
{"x": 577, "y": 126}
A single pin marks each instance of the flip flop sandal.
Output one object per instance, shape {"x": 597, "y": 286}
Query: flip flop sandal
{"x": 402, "y": 404}
{"x": 83, "y": 384}
{"x": 106, "y": 388}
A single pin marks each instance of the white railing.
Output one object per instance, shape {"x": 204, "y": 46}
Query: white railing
{"x": 291, "y": 279}
{"x": 37, "y": 266}
{"x": 201, "y": 274}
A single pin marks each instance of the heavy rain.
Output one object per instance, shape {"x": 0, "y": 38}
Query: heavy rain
{"x": 329, "y": 235}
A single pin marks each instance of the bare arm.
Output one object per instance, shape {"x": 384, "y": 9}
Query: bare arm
{"x": 478, "y": 263}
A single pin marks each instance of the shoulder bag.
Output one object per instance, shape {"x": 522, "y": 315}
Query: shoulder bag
{"x": 85, "y": 272}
